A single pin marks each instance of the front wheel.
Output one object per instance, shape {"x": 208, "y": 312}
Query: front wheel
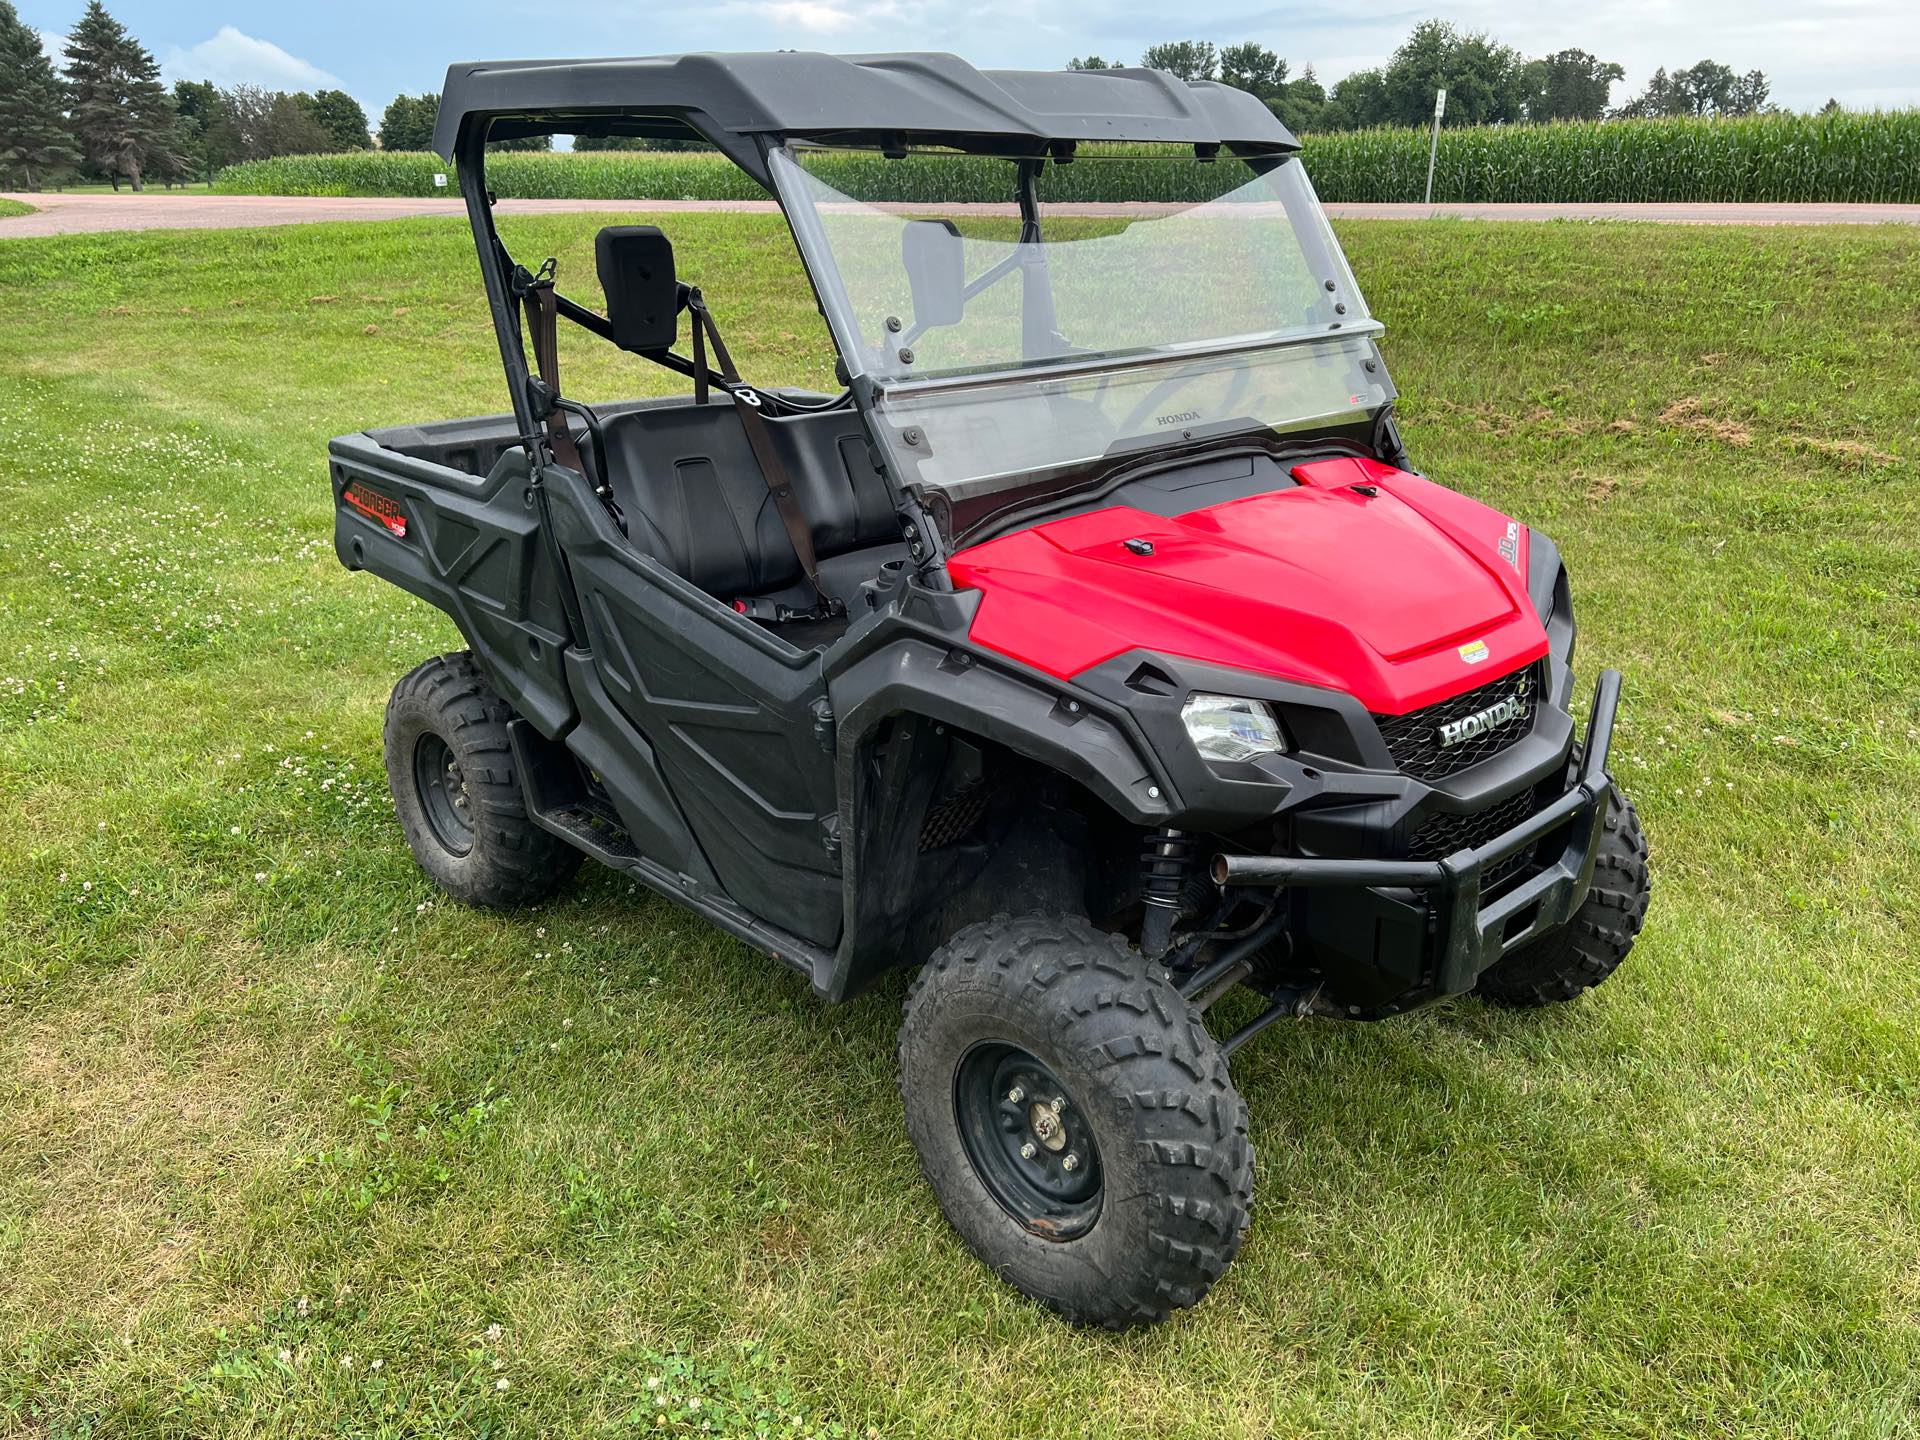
{"x": 1591, "y": 946}
{"x": 1075, "y": 1119}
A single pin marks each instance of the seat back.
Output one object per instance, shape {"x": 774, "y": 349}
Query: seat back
{"x": 694, "y": 498}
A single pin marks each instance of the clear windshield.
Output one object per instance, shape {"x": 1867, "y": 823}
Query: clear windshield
{"x": 997, "y": 351}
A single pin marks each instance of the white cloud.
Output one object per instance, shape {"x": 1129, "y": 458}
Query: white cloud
{"x": 816, "y": 17}
{"x": 232, "y": 57}
{"x": 55, "y": 46}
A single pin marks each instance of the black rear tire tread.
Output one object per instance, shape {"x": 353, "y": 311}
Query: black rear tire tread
{"x": 1591, "y": 946}
{"x": 1151, "y": 1061}
{"x": 513, "y": 861}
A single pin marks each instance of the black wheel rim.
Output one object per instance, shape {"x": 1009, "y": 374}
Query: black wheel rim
{"x": 443, "y": 794}
{"x": 1029, "y": 1141}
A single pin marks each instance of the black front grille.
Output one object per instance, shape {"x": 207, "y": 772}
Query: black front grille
{"x": 1444, "y": 835}
{"x": 1414, "y": 739}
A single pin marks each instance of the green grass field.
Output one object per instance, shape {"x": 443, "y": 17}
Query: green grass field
{"x": 14, "y": 207}
{"x": 289, "y": 1146}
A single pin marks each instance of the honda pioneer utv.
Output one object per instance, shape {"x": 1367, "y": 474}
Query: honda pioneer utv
{"x": 1097, "y": 651}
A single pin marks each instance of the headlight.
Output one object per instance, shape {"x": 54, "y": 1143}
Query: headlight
{"x": 1224, "y": 727}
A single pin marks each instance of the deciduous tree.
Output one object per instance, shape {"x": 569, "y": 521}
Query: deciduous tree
{"x": 1569, "y": 85}
{"x": 1704, "y": 88}
{"x": 1254, "y": 68}
{"x": 238, "y": 128}
{"x": 525, "y": 142}
{"x": 196, "y": 109}
{"x": 340, "y": 115}
{"x": 407, "y": 123}
{"x": 1189, "y": 59}
{"x": 291, "y": 129}
{"x": 584, "y": 144}
{"x": 1302, "y": 106}
{"x": 1356, "y": 100}
{"x": 1482, "y": 78}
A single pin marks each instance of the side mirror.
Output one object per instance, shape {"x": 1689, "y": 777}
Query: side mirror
{"x": 935, "y": 259}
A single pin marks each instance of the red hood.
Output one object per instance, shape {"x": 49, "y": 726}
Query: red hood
{"x": 1399, "y": 598}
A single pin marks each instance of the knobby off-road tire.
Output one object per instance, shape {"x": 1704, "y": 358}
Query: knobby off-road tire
{"x": 1590, "y": 947}
{"x": 451, "y": 769}
{"x": 1150, "y": 1112}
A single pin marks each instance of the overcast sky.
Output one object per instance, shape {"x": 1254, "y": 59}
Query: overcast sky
{"x": 1863, "y": 52}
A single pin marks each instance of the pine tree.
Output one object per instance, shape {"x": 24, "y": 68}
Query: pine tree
{"x": 121, "y": 113}
{"x": 33, "y": 126}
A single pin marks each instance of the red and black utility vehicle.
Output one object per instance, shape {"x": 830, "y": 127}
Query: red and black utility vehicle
{"x": 1097, "y": 652}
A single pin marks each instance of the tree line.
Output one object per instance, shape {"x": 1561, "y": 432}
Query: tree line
{"x": 1487, "y": 83}
{"x": 104, "y": 114}
{"x": 407, "y": 124}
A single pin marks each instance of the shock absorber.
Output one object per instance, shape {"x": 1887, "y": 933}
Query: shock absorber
{"x": 1164, "y": 867}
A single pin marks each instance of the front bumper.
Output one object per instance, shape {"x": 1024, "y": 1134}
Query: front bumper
{"x": 1468, "y": 935}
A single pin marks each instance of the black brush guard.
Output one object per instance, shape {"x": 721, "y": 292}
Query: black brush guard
{"x": 1472, "y": 936}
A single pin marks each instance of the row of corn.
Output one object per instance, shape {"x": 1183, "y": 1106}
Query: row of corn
{"x": 1774, "y": 158}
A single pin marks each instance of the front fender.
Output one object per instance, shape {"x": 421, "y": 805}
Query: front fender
{"x": 932, "y": 684}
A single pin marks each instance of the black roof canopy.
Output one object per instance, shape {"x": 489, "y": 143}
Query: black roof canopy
{"x": 908, "y": 98}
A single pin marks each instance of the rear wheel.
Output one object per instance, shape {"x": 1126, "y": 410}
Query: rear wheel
{"x": 1591, "y": 946}
{"x": 450, "y": 766}
{"x": 1075, "y": 1119}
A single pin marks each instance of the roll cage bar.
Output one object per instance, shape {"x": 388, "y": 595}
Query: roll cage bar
{"x": 508, "y": 282}
{"x": 746, "y": 107}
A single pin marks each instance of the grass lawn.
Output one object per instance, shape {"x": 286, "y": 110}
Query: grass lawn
{"x": 289, "y": 1146}
{"x": 13, "y": 207}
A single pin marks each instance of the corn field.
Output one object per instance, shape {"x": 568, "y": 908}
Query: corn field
{"x": 1769, "y": 158}
{"x": 1766, "y": 158}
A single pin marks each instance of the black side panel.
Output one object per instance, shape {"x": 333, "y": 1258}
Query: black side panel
{"x": 607, "y": 744}
{"x": 472, "y": 548}
{"x": 559, "y": 798}
{"x": 736, "y": 719}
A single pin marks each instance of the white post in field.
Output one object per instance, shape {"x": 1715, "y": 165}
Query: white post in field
{"x": 1433, "y": 150}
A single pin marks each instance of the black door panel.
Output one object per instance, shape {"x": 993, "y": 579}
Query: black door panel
{"x": 736, "y": 720}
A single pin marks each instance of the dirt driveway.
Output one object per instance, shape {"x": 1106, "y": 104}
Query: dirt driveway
{"x": 57, "y": 214}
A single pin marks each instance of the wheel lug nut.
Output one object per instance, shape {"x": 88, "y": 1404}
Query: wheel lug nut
{"x": 1016, "y": 1095}
{"x": 1027, "y": 1151}
{"x": 1059, "y": 1104}
{"x": 1072, "y": 1162}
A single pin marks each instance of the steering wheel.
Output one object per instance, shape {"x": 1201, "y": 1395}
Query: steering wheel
{"x": 1178, "y": 381}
